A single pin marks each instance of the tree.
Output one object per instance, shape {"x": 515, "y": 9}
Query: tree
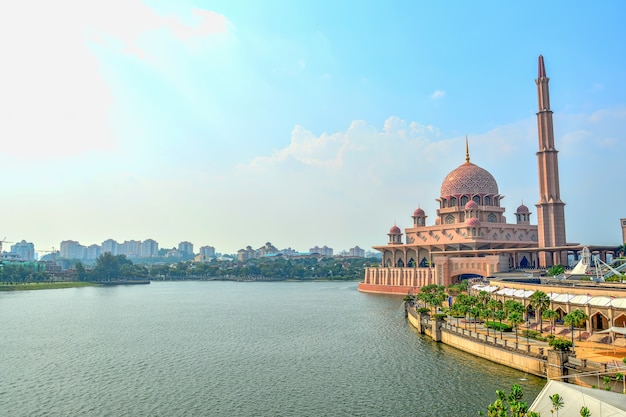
{"x": 499, "y": 315}
{"x": 108, "y": 266}
{"x": 515, "y": 318}
{"x": 81, "y": 274}
{"x": 484, "y": 297}
{"x": 555, "y": 270}
{"x": 557, "y": 403}
{"x": 509, "y": 405}
{"x": 474, "y": 313}
{"x": 575, "y": 319}
{"x": 551, "y": 315}
{"x": 539, "y": 301}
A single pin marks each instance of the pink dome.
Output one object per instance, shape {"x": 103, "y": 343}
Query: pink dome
{"x": 468, "y": 179}
{"x": 472, "y": 222}
{"x": 395, "y": 230}
{"x": 522, "y": 209}
{"x": 471, "y": 205}
{"x": 419, "y": 213}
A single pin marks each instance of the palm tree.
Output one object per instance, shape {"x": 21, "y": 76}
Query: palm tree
{"x": 499, "y": 315}
{"x": 485, "y": 314}
{"x": 515, "y": 318}
{"x": 557, "y": 403}
{"x": 474, "y": 313}
{"x": 484, "y": 297}
{"x": 539, "y": 301}
{"x": 551, "y": 315}
{"x": 575, "y": 319}
{"x": 463, "y": 309}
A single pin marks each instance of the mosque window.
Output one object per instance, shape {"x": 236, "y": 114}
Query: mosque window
{"x": 444, "y": 203}
{"x": 411, "y": 263}
{"x": 452, "y": 201}
{"x": 533, "y": 238}
{"x": 464, "y": 200}
{"x": 492, "y": 218}
{"x": 487, "y": 200}
{"x": 449, "y": 219}
{"x": 400, "y": 263}
{"x": 476, "y": 199}
{"x": 496, "y": 202}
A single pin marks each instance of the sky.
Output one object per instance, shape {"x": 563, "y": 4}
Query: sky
{"x": 235, "y": 123}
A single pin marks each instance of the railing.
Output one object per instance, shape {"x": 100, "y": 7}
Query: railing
{"x": 511, "y": 345}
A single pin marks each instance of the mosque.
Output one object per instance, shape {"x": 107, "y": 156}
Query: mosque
{"x": 471, "y": 236}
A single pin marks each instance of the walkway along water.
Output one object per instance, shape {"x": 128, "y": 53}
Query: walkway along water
{"x": 528, "y": 355}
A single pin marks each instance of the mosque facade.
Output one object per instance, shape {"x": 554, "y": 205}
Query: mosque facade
{"x": 470, "y": 234}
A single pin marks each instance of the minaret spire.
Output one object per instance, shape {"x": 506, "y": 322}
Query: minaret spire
{"x": 467, "y": 158}
{"x": 542, "y": 68}
{"x": 550, "y": 208}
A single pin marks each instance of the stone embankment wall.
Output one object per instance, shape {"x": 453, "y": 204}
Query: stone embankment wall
{"x": 496, "y": 350}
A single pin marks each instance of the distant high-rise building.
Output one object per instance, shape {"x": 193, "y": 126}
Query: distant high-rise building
{"x": 93, "y": 252}
{"x": 131, "y": 248}
{"x": 623, "y": 222}
{"x": 267, "y": 249}
{"x": 324, "y": 251}
{"x": 111, "y": 246}
{"x": 186, "y": 248}
{"x": 70, "y": 249}
{"x": 358, "y": 252}
{"x": 24, "y": 250}
{"x": 207, "y": 251}
{"x": 245, "y": 254}
{"x": 149, "y": 248}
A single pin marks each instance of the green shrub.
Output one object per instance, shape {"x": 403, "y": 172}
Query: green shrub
{"x": 439, "y": 316}
{"x": 499, "y": 326}
{"x": 558, "y": 343}
{"x": 423, "y": 310}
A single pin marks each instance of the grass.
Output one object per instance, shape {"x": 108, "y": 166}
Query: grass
{"x": 6, "y": 286}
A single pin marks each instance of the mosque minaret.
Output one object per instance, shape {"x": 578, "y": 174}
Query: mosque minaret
{"x": 550, "y": 208}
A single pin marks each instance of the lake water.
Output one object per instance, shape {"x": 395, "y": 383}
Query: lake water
{"x": 232, "y": 349}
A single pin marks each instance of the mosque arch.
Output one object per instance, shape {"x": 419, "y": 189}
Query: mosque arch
{"x": 411, "y": 263}
{"x": 424, "y": 263}
{"x": 492, "y": 218}
{"x": 449, "y": 219}
{"x": 487, "y": 200}
{"x": 453, "y": 202}
{"x": 400, "y": 263}
{"x": 524, "y": 263}
{"x": 464, "y": 200}
{"x": 620, "y": 321}
{"x": 444, "y": 202}
{"x": 599, "y": 321}
{"x": 476, "y": 199}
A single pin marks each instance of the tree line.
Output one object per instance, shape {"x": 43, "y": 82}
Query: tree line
{"x": 110, "y": 267}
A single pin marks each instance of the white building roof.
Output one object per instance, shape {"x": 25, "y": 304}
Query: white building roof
{"x": 599, "y": 402}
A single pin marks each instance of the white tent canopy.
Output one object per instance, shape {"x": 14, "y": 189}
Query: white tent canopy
{"x": 599, "y": 402}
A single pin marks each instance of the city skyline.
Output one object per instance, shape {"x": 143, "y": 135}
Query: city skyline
{"x": 238, "y": 123}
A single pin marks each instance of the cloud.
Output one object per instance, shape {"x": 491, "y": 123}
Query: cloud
{"x": 438, "y": 94}
{"x": 55, "y": 100}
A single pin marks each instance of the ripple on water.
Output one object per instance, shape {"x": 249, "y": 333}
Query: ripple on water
{"x": 232, "y": 349}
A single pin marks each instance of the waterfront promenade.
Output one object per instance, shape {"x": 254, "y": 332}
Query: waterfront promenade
{"x": 586, "y": 364}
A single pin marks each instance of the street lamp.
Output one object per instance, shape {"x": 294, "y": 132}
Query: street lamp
{"x": 527, "y": 330}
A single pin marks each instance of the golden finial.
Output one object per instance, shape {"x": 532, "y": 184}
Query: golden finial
{"x": 467, "y": 159}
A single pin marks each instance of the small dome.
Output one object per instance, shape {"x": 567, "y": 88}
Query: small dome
{"x": 395, "y": 230}
{"x": 471, "y": 205}
{"x": 419, "y": 213}
{"x": 522, "y": 209}
{"x": 472, "y": 222}
{"x": 469, "y": 179}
